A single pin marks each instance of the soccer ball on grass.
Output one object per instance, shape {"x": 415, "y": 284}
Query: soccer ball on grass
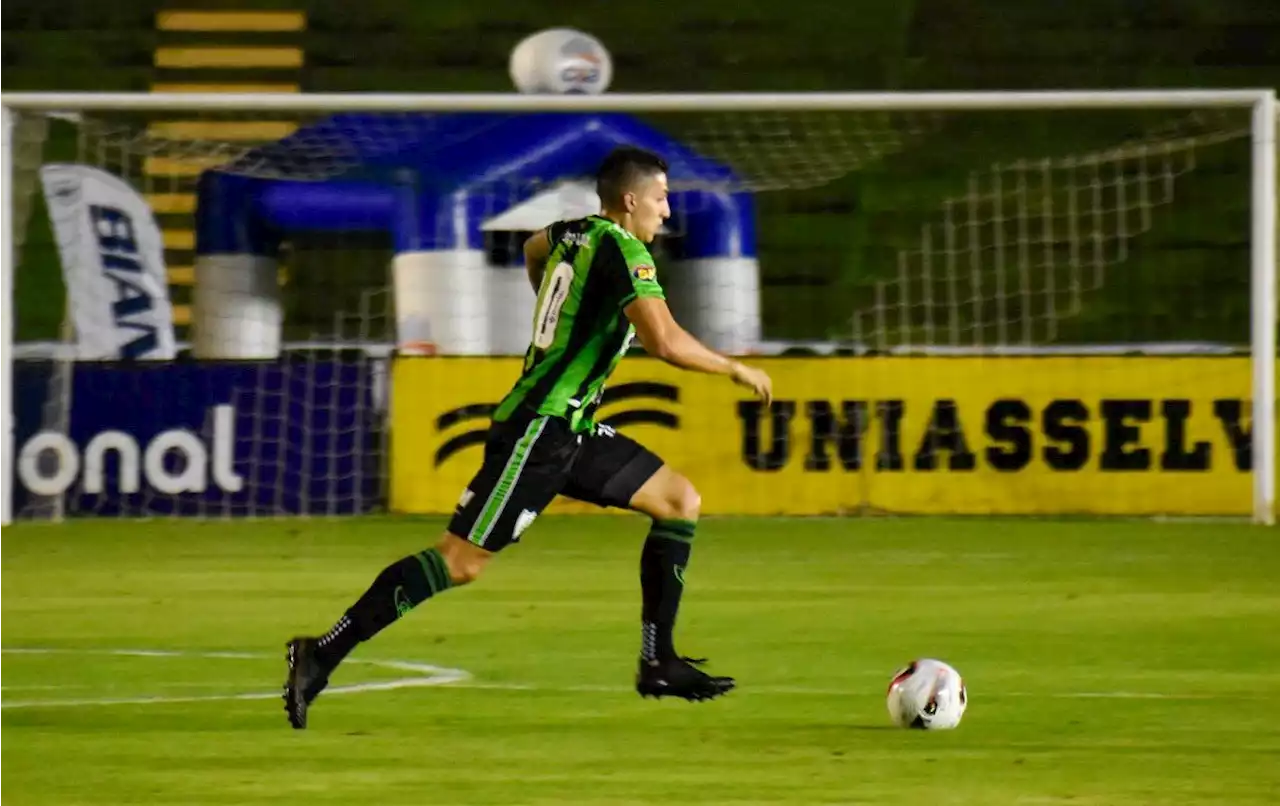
{"x": 928, "y": 695}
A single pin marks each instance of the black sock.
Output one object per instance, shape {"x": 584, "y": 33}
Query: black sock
{"x": 662, "y": 564}
{"x": 400, "y": 587}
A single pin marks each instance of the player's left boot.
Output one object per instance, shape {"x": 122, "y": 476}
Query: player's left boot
{"x": 680, "y": 677}
{"x": 307, "y": 678}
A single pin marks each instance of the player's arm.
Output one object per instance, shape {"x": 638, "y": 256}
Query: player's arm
{"x": 630, "y": 267}
{"x": 664, "y": 338}
{"x": 537, "y": 248}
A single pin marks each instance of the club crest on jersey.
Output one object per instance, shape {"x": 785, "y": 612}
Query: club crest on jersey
{"x": 645, "y": 273}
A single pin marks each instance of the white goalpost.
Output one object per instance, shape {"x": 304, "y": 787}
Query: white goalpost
{"x": 1263, "y": 298}
{"x": 6, "y": 311}
{"x": 994, "y": 256}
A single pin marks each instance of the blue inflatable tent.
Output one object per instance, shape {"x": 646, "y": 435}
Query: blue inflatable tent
{"x": 432, "y": 181}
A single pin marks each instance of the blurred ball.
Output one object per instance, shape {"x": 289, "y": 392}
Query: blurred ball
{"x": 561, "y": 60}
{"x": 928, "y": 694}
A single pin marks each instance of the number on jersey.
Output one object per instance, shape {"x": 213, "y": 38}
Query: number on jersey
{"x": 548, "y": 318}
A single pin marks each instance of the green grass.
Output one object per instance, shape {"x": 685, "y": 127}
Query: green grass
{"x": 1107, "y": 662}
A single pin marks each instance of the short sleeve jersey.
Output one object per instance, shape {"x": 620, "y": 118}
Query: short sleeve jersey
{"x": 580, "y": 333}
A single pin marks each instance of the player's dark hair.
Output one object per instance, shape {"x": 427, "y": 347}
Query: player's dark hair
{"x": 625, "y": 167}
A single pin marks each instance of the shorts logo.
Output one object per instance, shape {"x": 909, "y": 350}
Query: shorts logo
{"x": 465, "y": 499}
{"x": 645, "y": 273}
{"x": 523, "y": 522}
{"x": 476, "y": 416}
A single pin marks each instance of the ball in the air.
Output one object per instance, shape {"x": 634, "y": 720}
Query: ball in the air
{"x": 928, "y": 694}
{"x": 561, "y": 60}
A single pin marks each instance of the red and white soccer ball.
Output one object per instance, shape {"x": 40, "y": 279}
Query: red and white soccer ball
{"x": 929, "y": 695}
{"x": 560, "y": 61}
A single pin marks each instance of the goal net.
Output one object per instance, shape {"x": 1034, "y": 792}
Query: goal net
{"x": 1018, "y": 310}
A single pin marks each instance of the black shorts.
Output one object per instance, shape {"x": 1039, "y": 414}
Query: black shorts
{"x": 531, "y": 458}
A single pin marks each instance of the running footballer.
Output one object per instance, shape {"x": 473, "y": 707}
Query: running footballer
{"x": 597, "y": 290}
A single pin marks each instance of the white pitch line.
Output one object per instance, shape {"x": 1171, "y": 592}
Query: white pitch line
{"x": 98, "y": 687}
{"x": 428, "y": 675}
{"x": 425, "y": 674}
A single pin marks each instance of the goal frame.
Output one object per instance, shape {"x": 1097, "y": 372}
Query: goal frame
{"x": 1262, "y": 103}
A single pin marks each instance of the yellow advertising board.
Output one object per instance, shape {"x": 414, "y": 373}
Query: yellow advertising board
{"x": 964, "y": 435}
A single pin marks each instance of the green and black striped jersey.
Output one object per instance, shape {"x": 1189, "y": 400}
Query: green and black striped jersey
{"x": 595, "y": 270}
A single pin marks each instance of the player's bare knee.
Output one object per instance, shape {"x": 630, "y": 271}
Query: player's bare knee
{"x": 464, "y": 573}
{"x": 464, "y": 559}
{"x": 683, "y": 500}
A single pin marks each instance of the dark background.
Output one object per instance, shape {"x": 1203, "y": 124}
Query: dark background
{"x": 1184, "y": 277}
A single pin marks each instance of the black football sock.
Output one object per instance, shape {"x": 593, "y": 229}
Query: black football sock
{"x": 662, "y": 564}
{"x": 400, "y": 587}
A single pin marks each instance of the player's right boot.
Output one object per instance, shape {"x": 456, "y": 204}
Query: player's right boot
{"x": 680, "y": 677}
{"x": 307, "y": 678}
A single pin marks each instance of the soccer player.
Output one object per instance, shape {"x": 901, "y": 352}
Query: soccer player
{"x": 597, "y": 289}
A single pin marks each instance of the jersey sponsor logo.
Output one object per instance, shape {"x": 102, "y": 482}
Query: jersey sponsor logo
{"x": 477, "y": 416}
{"x": 645, "y": 273}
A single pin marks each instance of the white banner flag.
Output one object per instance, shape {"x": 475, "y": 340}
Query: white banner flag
{"x": 112, "y": 263}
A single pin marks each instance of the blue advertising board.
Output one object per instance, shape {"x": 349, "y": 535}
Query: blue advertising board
{"x": 213, "y": 439}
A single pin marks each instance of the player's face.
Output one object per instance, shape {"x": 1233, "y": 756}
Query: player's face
{"x": 649, "y": 207}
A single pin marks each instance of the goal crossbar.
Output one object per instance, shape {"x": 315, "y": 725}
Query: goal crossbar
{"x": 1262, "y": 102}
{"x": 636, "y": 102}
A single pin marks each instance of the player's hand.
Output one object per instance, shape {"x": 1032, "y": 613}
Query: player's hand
{"x": 757, "y": 380}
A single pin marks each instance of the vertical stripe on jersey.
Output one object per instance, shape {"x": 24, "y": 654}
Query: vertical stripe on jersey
{"x": 590, "y": 332}
{"x": 590, "y": 385}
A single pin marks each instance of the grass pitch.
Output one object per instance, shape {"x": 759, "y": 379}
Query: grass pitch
{"x": 1107, "y": 663}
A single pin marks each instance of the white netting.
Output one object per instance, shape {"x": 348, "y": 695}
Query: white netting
{"x": 29, "y": 136}
{"x": 766, "y": 150}
{"x": 304, "y": 435}
{"x": 1026, "y": 243}
{"x": 791, "y": 151}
